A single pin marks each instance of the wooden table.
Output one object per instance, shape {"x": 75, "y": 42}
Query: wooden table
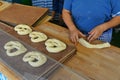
{"x": 97, "y": 64}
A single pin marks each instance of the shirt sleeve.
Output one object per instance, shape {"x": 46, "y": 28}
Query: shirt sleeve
{"x": 67, "y": 5}
{"x": 115, "y": 5}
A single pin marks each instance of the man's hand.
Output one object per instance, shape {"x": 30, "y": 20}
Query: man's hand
{"x": 95, "y": 33}
{"x": 75, "y": 35}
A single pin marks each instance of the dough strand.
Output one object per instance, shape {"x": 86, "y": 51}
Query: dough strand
{"x": 88, "y": 45}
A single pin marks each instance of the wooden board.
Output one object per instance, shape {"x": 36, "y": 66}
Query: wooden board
{"x": 18, "y": 13}
{"x": 61, "y": 56}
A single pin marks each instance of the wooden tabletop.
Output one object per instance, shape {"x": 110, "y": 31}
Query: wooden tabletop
{"x": 97, "y": 64}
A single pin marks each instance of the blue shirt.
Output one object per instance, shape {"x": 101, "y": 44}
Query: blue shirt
{"x": 88, "y": 14}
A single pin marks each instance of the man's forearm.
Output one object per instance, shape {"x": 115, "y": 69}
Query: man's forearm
{"x": 68, "y": 20}
{"x": 112, "y": 23}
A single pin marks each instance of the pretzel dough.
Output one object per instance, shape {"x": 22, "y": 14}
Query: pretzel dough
{"x": 34, "y": 58}
{"x": 23, "y": 29}
{"x": 55, "y": 45}
{"x": 37, "y": 36}
{"x": 88, "y": 45}
{"x": 14, "y": 48}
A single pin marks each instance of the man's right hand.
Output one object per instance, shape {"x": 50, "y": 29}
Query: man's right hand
{"x": 75, "y": 35}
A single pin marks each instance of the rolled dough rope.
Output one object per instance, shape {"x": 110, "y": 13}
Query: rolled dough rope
{"x": 14, "y": 48}
{"x": 34, "y": 58}
{"x": 88, "y": 45}
{"x": 37, "y": 36}
{"x": 55, "y": 45}
{"x": 23, "y": 29}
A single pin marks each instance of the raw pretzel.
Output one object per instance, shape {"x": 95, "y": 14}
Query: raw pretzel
{"x": 23, "y": 29}
{"x": 55, "y": 45}
{"x": 34, "y": 58}
{"x": 37, "y": 36}
{"x": 88, "y": 45}
{"x": 14, "y": 48}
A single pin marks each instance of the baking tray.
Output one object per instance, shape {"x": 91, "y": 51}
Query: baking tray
{"x": 60, "y": 56}
{"x": 24, "y": 70}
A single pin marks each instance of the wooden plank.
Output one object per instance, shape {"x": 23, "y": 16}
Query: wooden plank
{"x": 18, "y": 13}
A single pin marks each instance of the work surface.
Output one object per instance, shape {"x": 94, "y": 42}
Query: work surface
{"x": 97, "y": 64}
{"x": 17, "y": 13}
